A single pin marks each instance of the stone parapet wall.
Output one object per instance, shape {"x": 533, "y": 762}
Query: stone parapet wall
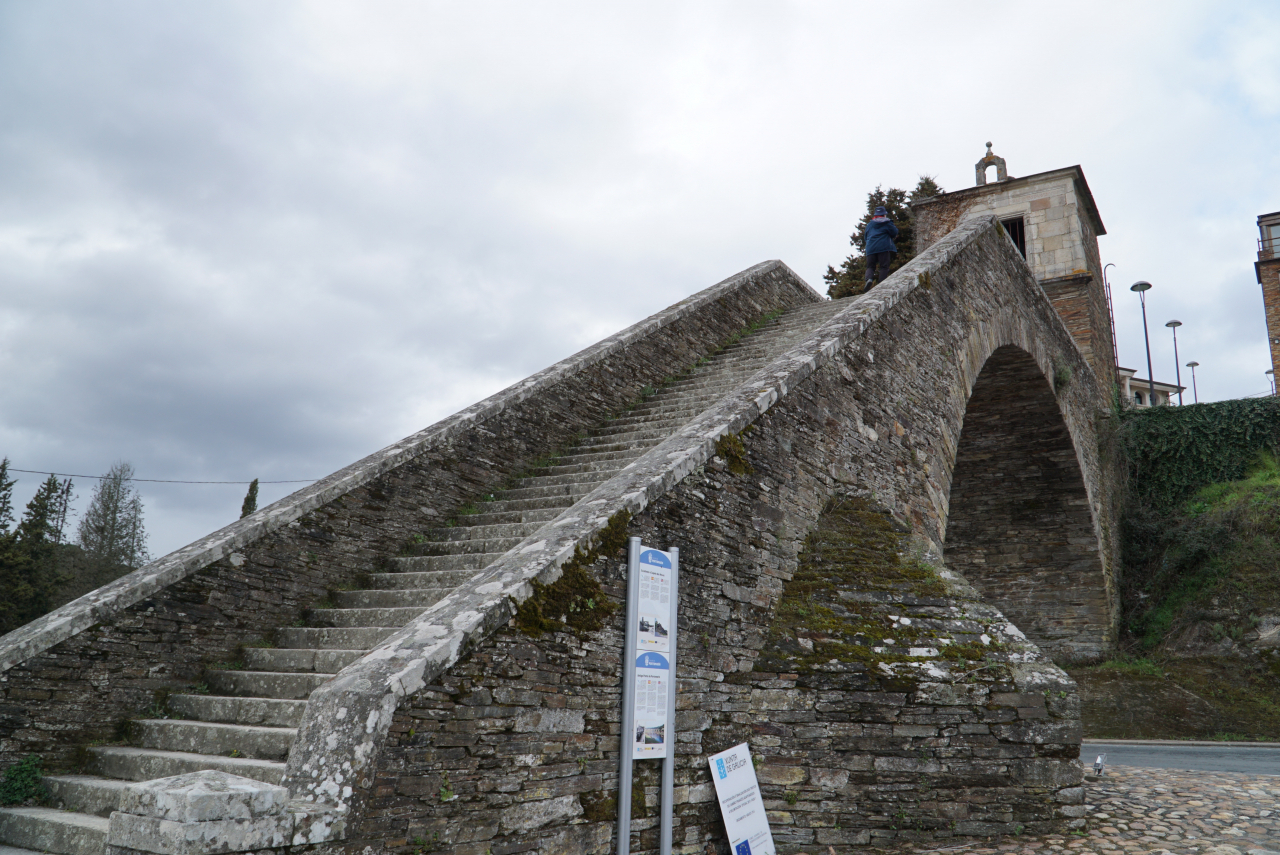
{"x": 469, "y": 736}
{"x": 76, "y": 675}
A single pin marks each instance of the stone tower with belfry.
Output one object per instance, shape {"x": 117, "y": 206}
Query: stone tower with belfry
{"x": 1053, "y": 221}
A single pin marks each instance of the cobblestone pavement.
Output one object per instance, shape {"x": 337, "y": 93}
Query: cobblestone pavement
{"x": 1160, "y": 811}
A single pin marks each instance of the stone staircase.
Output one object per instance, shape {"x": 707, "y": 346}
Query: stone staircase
{"x": 247, "y": 722}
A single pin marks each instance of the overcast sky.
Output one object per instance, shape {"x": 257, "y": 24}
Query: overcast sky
{"x": 246, "y": 239}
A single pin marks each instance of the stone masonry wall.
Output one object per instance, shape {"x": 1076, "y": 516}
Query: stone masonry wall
{"x": 514, "y": 747}
{"x": 83, "y": 688}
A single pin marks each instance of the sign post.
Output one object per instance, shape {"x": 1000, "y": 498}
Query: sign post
{"x": 649, "y": 680}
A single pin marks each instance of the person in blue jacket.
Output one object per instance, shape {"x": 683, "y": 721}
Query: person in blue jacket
{"x": 880, "y": 247}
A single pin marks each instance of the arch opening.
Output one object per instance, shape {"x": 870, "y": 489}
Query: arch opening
{"x": 1019, "y": 527}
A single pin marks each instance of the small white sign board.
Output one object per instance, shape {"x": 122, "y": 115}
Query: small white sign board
{"x": 740, "y": 802}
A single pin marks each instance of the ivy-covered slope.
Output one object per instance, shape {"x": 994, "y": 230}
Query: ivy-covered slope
{"x": 1201, "y": 583}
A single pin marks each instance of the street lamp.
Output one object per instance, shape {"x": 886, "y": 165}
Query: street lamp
{"x": 1271, "y": 376}
{"x": 1192, "y": 365}
{"x": 1173, "y": 325}
{"x": 1142, "y": 287}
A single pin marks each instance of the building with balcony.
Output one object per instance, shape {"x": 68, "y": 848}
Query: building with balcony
{"x": 1136, "y": 391}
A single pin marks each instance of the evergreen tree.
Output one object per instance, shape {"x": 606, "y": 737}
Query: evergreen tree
{"x": 250, "y": 500}
{"x": 111, "y": 530}
{"x": 24, "y": 583}
{"x": 61, "y": 511}
{"x": 6, "y": 497}
{"x": 36, "y": 534}
{"x": 850, "y": 279}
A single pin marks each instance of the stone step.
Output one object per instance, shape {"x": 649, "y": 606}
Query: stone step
{"x": 331, "y": 637}
{"x": 267, "y": 712}
{"x": 14, "y": 850}
{"x": 85, "y": 793}
{"x": 265, "y": 684}
{"x": 627, "y": 451}
{"x": 469, "y": 564}
{"x": 570, "y": 492}
{"x": 145, "y": 764}
{"x": 589, "y": 468}
{"x": 207, "y": 737}
{"x": 622, "y": 456}
{"x": 466, "y": 530}
{"x": 361, "y": 618}
{"x": 410, "y": 578}
{"x": 296, "y": 660}
{"x": 499, "y": 545}
{"x": 641, "y": 441}
{"x": 598, "y": 476}
{"x": 692, "y": 401}
{"x": 489, "y": 517}
{"x": 56, "y": 831}
{"x": 374, "y": 598}
{"x": 632, "y": 421}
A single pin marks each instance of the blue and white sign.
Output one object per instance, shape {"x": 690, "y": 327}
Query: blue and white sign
{"x": 653, "y": 644}
{"x": 653, "y": 629}
{"x": 740, "y": 804}
{"x": 653, "y": 681}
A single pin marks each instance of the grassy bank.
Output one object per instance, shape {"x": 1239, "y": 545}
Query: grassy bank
{"x": 1201, "y": 578}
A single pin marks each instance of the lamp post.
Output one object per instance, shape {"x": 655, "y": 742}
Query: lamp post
{"x": 1142, "y": 287}
{"x": 1173, "y": 325}
{"x": 1271, "y": 376}
{"x": 1192, "y": 365}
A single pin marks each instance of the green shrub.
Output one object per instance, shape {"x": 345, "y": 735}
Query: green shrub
{"x": 21, "y": 782}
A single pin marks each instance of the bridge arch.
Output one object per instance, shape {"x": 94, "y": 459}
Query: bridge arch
{"x": 1020, "y": 525}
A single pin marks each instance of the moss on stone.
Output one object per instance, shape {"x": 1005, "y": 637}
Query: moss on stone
{"x": 730, "y": 448}
{"x": 600, "y": 807}
{"x": 845, "y": 603}
{"x": 575, "y": 602}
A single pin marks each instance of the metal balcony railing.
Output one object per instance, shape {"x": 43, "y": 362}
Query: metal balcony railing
{"x": 1268, "y": 248}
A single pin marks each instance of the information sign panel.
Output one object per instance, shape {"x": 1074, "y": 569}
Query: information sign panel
{"x": 652, "y": 652}
{"x": 654, "y": 627}
{"x": 740, "y": 804}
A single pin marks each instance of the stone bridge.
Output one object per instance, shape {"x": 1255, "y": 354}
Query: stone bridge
{"x": 894, "y": 513}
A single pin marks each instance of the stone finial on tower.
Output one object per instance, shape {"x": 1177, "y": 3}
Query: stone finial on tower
{"x": 981, "y": 167}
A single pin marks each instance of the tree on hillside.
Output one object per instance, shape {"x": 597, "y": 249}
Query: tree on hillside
{"x": 250, "y": 500}
{"x": 111, "y": 531}
{"x": 851, "y": 277}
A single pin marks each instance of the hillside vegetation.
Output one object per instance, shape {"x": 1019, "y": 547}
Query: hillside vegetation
{"x": 1201, "y": 578}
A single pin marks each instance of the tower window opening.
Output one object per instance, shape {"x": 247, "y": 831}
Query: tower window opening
{"x": 1017, "y": 231}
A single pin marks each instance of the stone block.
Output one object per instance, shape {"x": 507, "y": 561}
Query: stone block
{"x": 204, "y": 796}
{"x": 167, "y": 837}
{"x": 531, "y": 815}
{"x": 550, "y": 721}
{"x": 774, "y": 773}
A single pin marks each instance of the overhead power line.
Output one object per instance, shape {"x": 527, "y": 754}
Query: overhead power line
{"x": 163, "y": 480}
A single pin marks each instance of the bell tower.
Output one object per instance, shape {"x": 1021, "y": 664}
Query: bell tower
{"x": 1053, "y": 221}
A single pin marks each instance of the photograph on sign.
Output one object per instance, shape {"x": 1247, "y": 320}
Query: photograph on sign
{"x": 740, "y": 804}
{"x": 653, "y": 681}
{"x": 652, "y": 628}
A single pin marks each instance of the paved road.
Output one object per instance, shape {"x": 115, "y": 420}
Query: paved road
{"x": 1199, "y": 757}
